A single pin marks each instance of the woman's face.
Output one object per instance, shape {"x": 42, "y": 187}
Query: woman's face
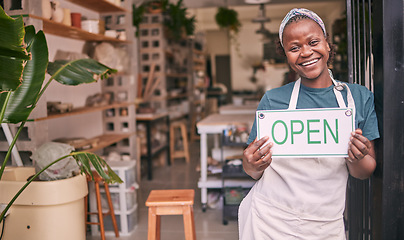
{"x": 306, "y": 49}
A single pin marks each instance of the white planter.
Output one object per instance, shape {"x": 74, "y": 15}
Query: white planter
{"x": 45, "y": 210}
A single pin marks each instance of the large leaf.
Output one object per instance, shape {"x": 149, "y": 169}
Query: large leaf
{"x": 78, "y": 71}
{"x": 12, "y": 52}
{"x": 23, "y": 100}
{"x": 84, "y": 159}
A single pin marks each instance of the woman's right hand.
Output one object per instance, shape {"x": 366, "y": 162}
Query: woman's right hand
{"x": 257, "y": 159}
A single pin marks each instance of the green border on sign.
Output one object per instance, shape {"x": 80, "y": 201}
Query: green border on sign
{"x": 305, "y": 110}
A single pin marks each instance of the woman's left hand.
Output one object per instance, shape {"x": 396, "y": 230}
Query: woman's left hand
{"x": 359, "y": 146}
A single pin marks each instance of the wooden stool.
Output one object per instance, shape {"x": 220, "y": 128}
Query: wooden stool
{"x": 97, "y": 181}
{"x": 178, "y": 153}
{"x": 171, "y": 202}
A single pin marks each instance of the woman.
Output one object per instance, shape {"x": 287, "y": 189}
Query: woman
{"x": 304, "y": 198}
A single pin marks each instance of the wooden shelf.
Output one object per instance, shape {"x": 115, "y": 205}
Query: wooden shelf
{"x": 198, "y": 51}
{"x": 83, "y": 110}
{"x": 177, "y": 75}
{"x": 179, "y": 96}
{"x": 107, "y": 140}
{"x": 62, "y": 30}
{"x": 101, "y": 6}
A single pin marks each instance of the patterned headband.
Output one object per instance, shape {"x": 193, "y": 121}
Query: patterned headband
{"x": 300, "y": 11}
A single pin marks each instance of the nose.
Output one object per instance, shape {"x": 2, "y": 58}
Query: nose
{"x": 306, "y": 51}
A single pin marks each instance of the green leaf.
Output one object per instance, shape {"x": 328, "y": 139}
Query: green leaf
{"x": 23, "y": 100}
{"x": 78, "y": 71}
{"x": 99, "y": 164}
{"x": 12, "y": 51}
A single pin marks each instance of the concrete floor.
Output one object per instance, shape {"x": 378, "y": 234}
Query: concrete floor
{"x": 180, "y": 175}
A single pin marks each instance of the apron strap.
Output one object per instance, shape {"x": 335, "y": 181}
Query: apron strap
{"x": 337, "y": 91}
{"x": 294, "y": 96}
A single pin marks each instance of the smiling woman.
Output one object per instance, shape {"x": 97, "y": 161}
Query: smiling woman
{"x": 298, "y": 196}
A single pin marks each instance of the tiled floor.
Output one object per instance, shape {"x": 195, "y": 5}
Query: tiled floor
{"x": 180, "y": 175}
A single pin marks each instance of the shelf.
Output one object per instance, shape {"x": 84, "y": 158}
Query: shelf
{"x": 101, "y": 6}
{"x": 59, "y": 29}
{"x": 198, "y": 51}
{"x": 177, "y": 75}
{"x": 179, "y": 96}
{"x": 107, "y": 140}
{"x": 83, "y": 110}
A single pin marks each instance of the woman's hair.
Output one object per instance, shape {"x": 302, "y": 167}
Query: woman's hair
{"x": 280, "y": 50}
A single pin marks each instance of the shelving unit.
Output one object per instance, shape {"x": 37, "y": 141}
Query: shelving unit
{"x": 59, "y": 29}
{"x": 124, "y": 200}
{"x": 170, "y": 66}
{"x": 83, "y": 110}
{"x": 232, "y": 195}
{"x": 120, "y": 138}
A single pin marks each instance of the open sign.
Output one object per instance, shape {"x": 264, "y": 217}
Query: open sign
{"x": 319, "y": 132}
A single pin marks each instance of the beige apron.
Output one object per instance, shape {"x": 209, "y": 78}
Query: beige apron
{"x": 298, "y": 198}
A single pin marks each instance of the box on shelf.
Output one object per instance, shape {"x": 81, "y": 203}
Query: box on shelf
{"x": 130, "y": 200}
{"x": 125, "y": 170}
{"x": 126, "y": 223}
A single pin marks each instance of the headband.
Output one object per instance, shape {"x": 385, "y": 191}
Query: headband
{"x": 304, "y": 12}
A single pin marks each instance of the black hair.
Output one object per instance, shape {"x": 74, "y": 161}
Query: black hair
{"x": 280, "y": 50}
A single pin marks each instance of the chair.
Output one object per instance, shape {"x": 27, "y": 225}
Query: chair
{"x": 99, "y": 213}
{"x": 184, "y": 153}
{"x": 171, "y": 202}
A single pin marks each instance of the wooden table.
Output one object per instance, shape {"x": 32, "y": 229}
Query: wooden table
{"x": 149, "y": 120}
{"x": 215, "y": 124}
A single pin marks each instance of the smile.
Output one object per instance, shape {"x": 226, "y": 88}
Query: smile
{"x": 309, "y": 62}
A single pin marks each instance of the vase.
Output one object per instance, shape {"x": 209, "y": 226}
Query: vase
{"x": 46, "y": 9}
{"x": 57, "y": 12}
{"x": 67, "y": 20}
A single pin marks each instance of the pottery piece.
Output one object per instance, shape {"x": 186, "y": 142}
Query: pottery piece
{"x": 46, "y": 9}
{"x": 57, "y": 12}
{"x": 67, "y": 20}
{"x": 76, "y": 19}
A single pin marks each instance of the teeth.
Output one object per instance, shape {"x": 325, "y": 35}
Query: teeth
{"x": 308, "y": 63}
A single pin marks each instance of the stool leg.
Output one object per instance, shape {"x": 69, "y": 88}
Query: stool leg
{"x": 185, "y": 143}
{"x": 85, "y": 210}
{"x": 189, "y": 224}
{"x": 99, "y": 208}
{"x": 158, "y": 229}
{"x": 111, "y": 209}
{"x": 172, "y": 144}
{"x": 152, "y": 224}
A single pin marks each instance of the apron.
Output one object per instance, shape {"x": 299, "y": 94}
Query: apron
{"x": 298, "y": 198}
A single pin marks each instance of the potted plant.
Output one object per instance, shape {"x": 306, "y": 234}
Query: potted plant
{"x": 178, "y": 24}
{"x": 227, "y": 18}
{"x": 23, "y": 65}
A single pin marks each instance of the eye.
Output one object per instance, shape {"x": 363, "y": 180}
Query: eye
{"x": 314, "y": 42}
{"x": 294, "y": 49}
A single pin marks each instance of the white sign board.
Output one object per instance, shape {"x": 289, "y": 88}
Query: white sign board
{"x": 319, "y": 132}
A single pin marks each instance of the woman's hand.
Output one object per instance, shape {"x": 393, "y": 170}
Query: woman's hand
{"x": 257, "y": 159}
{"x": 361, "y": 156}
{"x": 359, "y": 146}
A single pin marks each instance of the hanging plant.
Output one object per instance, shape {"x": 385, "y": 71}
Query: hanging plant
{"x": 227, "y": 18}
{"x": 137, "y": 17}
{"x": 177, "y": 22}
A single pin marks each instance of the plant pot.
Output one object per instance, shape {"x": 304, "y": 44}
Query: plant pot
{"x": 46, "y": 210}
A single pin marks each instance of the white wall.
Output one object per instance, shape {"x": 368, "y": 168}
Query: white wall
{"x": 250, "y": 44}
